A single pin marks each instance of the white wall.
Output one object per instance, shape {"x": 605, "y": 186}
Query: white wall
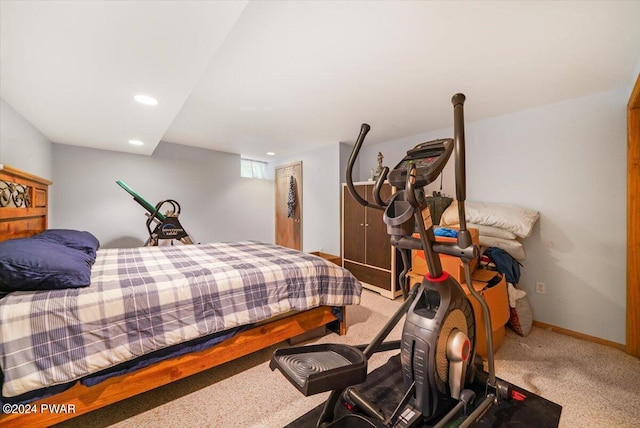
{"x": 320, "y": 198}
{"x": 22, "y": 146}
{"x": 568, "y": 161}
{"x": 217, "y": 204}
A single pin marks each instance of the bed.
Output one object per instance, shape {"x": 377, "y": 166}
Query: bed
{"x": 304, "y": 292}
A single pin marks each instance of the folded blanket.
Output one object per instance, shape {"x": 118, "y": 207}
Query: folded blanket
{"x": 515, "y": 219}
{"x": 490, "y": 231}
{"x": 511, "y": 246}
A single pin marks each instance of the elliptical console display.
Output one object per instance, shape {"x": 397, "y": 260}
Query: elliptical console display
{"x": 429, "y": 158}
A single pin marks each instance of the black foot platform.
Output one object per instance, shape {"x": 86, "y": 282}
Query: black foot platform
{"x": 384, "y": 387}
{"x": 319, "y": 368}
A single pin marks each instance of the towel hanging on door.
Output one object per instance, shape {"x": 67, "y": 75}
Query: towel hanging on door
{"x": 291, "y": 198}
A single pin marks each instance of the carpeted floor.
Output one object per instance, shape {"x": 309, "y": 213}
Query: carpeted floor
{"x": 597, "y": 386}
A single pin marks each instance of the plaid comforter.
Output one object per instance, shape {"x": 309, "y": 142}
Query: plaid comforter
{"x": 145, "y": 299}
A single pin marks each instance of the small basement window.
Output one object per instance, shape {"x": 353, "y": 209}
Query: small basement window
{"x": 253, "y": 169}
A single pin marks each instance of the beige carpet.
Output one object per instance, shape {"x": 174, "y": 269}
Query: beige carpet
{"x": 597, "y": 386}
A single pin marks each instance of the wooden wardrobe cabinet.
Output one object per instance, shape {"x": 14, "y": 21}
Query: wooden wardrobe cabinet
{"x": 366, "y": 249}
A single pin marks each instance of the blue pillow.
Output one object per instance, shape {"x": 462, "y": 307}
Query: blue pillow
{"x": 76, "y": 239}
{"x": 37, "y": 264}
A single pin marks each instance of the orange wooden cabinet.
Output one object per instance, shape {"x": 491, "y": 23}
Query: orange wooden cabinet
{"x": 497, "y": 300}
{"x": 450, "y": 264}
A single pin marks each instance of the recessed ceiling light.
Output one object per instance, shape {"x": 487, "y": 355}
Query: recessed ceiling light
{"x": 146, "y": 99}
{"x": 271, "y": 154}
{"x": 136, "y": 142}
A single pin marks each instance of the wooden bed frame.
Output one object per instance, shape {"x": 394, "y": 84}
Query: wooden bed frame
{"x": 29, "y": 216}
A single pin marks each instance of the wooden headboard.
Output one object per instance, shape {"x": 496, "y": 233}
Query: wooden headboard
{"x": 23, "y": 203}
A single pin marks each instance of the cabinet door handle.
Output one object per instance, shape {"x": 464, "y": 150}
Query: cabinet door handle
{"x": 361, "y": 224}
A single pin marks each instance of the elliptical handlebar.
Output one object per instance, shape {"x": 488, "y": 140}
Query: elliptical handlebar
{"x": 459, "y": 147}
{"x": 410, "y": 186}
{"x": 378, "y": 187}
{"x": 379, "y": 203}
{"x": 464, "y": 237}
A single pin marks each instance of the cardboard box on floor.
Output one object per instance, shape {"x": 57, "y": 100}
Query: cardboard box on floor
{"x": 453, "y": 265}
{"x": 497, "y": 300}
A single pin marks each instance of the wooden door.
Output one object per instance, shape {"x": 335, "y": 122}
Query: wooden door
{"x": 633, "y": 221}
{"x": 354, "y": 226}
{"x": 378, "y": 248}
{"x": 289, "y": 205}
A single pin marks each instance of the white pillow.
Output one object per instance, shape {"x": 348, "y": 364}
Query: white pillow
{"x": 515, "y": 219}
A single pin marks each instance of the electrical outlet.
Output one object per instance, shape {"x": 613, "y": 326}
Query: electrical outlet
{"x": 541, "y": 288}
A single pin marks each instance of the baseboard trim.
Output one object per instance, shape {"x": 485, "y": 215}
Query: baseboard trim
{"x": 578, "y": 335}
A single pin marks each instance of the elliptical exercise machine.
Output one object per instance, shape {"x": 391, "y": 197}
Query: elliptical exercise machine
{"x": 437, "y": 348}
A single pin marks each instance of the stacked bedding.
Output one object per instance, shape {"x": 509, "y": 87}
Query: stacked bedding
{"x": 500, "y": 225}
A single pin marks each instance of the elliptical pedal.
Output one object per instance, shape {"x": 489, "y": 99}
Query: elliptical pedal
{"x": 318, "y": 368}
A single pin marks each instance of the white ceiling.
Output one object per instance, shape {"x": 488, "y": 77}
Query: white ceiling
{"x": 288, "y": 77}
